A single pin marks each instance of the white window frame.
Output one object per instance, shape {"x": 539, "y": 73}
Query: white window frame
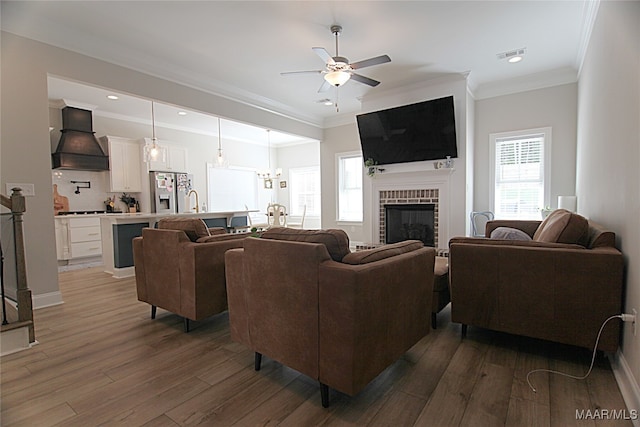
{"x": 494, "y": 137}
{"x": 293, "y": 209}
{"x": 339, "y": 172}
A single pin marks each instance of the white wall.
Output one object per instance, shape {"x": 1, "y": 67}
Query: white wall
{"x": 608, "y": 177}
{"x": 555, "y": 107}
{"x": 25, "y": 150}
{"x": 296, "y": 156}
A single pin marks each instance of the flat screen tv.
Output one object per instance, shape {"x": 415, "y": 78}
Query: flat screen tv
{"x": 410, "y": 133}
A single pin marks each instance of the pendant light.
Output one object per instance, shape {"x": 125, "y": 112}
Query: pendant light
{"x": 153, "y": 152}
{"x": 220, "y": 162}
{"x": 267, "y": 175}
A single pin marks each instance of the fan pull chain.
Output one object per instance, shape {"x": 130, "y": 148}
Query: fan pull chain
{"x": 337, "y": 107}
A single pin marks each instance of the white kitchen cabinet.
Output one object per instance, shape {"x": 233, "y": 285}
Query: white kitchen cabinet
{"x": 125, "y": 165}
{"x": 62, "y": 239}
{"x": 85, "y": 238}
{"x": 78, "y": 237}
{"x": 175, "y": 158}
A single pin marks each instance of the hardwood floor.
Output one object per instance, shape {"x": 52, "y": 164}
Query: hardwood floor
{"x": 101, "y": 360}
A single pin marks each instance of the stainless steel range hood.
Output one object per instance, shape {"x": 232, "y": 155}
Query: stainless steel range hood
{"x": 78, "y": 147}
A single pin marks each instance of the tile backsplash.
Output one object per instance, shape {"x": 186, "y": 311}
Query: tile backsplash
{"x": 89, "y": 198}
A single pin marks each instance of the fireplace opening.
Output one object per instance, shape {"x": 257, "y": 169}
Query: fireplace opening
{"x": 409, "y": 222}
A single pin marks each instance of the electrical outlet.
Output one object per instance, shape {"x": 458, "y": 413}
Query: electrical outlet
{"x": 635, "y": 317}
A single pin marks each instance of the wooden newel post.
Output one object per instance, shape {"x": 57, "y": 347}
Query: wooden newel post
{"x": 25, "y": 305}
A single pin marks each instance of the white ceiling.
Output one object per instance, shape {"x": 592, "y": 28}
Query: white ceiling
{"x": 239, "y": 48}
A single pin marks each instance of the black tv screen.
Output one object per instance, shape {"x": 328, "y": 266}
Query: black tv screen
{"x": 411, "y": 133}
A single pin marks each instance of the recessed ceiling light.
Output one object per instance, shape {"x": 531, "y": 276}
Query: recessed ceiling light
{"x": 325, "y": 101}
{"x": 182, "y": 113}
{"x": 512, "y": 56}
{"x": 112, "y": 97}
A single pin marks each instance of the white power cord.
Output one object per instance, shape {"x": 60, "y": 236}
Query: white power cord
{"x": 623, "y": 317}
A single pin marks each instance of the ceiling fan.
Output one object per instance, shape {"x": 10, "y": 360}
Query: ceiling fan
{"x": 338, "y": 70}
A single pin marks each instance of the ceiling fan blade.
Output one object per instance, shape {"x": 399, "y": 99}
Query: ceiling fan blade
{"x": 324, "y": 87}
{"x": 287, "y": 73}
{"x": 322, "y": 53}
{"x": 371, "y": 61}
{"x": 365, "y": 80}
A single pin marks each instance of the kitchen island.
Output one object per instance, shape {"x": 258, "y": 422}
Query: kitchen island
{"x": 118, "y": 231}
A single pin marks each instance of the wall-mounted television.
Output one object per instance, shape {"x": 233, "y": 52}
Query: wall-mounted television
{"x": 410, "y": 133}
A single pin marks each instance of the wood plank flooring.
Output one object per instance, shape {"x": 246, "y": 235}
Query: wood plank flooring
{"x": 101, "y": 360}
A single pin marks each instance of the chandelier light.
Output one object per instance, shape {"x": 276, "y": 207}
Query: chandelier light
{"x": 152, "y": 150}
{"x": 220, "y": 162}
{"x": 267, "y": 175}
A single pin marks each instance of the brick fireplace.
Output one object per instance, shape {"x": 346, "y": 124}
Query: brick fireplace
{"x": 409, "y": 197}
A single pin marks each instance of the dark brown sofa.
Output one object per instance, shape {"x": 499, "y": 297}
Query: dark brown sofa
{"x": 301, "y": 298}
{"x": 559, "y": 286}
{"x": 179, "y": 267}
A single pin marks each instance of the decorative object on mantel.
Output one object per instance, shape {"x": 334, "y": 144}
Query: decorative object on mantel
{"x": 152, "y": 150}
{"x": 372, "y": 167}
{"x": 220, "y": 162}
{"x": 267, "y": 175}
{"x": 444, "y": 164}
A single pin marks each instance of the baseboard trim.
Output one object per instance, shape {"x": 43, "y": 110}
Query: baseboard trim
{"x": 47, "y": 300}
{"x": 627, "y": 383}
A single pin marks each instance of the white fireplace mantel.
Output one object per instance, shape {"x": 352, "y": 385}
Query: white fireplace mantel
{"x": 434, "y": 179}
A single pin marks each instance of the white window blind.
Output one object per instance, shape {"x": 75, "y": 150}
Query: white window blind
{"x": 519, "y": 176}
{"x": 350, "y": 187}
{"x": 304, "y": 190}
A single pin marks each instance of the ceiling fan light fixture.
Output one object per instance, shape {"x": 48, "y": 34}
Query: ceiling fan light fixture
{"x": 337, "y": 78}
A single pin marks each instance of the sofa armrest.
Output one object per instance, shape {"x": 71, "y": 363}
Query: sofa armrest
{"x": 237, "y": 296}
{"x": 555, "y": 293}
{"x": 370, "y": 314}
{"x": 202, "y": 277}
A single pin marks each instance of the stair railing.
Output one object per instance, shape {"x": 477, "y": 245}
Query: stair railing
{"x": 16, "y": 203}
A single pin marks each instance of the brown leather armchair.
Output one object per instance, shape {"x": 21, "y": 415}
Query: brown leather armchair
{"x": 338, "y": 317}
{"x": 559, "y": 286}
{"x": 180, "y": 275}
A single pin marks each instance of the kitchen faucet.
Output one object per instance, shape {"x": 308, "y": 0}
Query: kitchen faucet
{"x": 196, "y": 208}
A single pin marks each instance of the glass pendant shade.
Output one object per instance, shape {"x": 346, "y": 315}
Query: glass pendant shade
{"x": 220, "y": 160}
{"x": 337, "y": 78}
{"x": 153, "y": 152}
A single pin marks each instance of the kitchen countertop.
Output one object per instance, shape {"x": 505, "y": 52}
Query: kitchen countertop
{"x": 142, "y": 215}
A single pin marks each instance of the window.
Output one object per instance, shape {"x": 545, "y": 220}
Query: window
{"x": 304, "y": 190}
{"x": 231, "y": 189}
{"x": 520, "y": 173}
{"x": 350, "y": 187}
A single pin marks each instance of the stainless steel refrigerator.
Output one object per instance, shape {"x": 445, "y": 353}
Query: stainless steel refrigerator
{"x": 184, "y": 184}
{"x": 163, "y": 192}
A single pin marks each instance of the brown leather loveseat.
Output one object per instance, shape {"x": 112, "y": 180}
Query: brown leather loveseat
{"x": 301, "y": 298}
{"x": 179, "y": 267}
{"x": 560, "y": 284}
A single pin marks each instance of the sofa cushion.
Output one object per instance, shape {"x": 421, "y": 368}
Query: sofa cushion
{"x": 508, "y": 233}
{"x": 562, "y": 226}
{"x": 194, "y": 228}
{"x": 336, "y": 241}
{"x": 382, "y": 252}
